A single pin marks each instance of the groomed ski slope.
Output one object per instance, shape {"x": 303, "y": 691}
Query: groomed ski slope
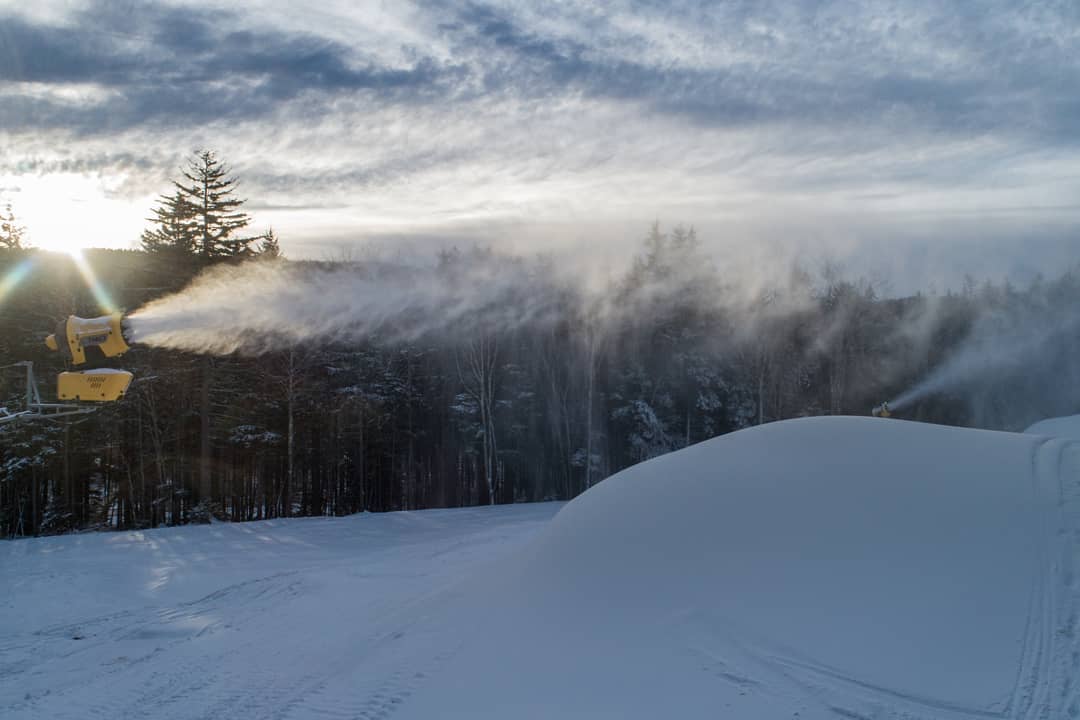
{"x": 819, "y": 568}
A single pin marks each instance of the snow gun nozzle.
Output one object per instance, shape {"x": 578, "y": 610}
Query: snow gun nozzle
{"x": 881, "y": 410}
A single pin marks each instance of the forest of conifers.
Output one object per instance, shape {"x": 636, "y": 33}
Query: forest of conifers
{"x": 671, "y": 352}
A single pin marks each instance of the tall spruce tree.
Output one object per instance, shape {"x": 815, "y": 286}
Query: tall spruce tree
{"x": 10, "y": 231}
{"x": 202, "y": 219}
{"x": 216, "y": 210}
{"x": 216, "y": 217}
{"x": 202, "y": 216}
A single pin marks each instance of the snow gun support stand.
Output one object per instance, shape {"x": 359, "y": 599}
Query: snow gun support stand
{"x": 34, "y": 409}
{"x": 73, "y": 338}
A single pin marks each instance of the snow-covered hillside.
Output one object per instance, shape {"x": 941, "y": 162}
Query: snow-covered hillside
{"x": 821, "y": 568}
{"x": 1063, "y": 427}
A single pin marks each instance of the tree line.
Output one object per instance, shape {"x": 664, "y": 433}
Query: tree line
{"x": 672, "y": 353}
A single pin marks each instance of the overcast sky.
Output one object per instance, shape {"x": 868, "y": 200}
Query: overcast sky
{"x": 915, "y": 139}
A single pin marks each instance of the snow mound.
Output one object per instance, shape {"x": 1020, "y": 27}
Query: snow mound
{"x": 813, "y": 568}
{"x": 1063, "y": 427}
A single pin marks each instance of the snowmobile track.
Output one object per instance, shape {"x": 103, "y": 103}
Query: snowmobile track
{"x": 1050, "y": 657}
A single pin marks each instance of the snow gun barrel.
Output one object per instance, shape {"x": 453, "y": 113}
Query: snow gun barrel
{"x": 881, "y": 410}
{"x": 75, "y": 335}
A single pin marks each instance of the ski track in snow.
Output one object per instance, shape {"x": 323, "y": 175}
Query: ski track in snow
{"x": 816, "y": 690}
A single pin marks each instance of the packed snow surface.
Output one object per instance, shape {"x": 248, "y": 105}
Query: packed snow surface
{"x": 824, "y": 568}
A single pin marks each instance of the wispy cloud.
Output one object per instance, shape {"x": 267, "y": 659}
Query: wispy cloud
{"x": 171, "y": 66}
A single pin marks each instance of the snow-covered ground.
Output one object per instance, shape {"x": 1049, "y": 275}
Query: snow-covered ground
{"x": 821, "y": 568}
{"x": 1064, "y": 427}
{"x": 282, "y": 618}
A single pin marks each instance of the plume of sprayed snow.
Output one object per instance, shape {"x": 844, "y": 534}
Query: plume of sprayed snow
{"x": 257, "y": 306}
{"x": 1000, "y": 346}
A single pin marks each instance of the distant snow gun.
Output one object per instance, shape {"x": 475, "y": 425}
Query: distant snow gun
{"x": 83, "y": 340}
{"x": 881, "y": 411}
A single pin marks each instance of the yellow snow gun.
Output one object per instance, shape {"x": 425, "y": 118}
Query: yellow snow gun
{"x": 75, "y": 335}
{"x": 101, "y": 335}
{"x": 882, "y": 411}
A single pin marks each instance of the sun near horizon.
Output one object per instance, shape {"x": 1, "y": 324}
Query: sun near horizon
{"x": 68, "y": 212}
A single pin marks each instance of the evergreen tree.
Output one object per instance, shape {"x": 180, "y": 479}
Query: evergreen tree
{"x": 202, "y": 216}
{"x": 10, "y": 231}
{"x": 215, "y": 217}
{"x": 269, "y": 249}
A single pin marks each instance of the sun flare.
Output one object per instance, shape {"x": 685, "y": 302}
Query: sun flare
{"x": 101, "y": 295}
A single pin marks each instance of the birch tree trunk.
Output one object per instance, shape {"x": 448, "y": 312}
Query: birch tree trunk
{"x": 478, "y": 378}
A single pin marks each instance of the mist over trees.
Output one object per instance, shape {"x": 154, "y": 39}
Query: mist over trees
{"x": 671, "y": 353}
